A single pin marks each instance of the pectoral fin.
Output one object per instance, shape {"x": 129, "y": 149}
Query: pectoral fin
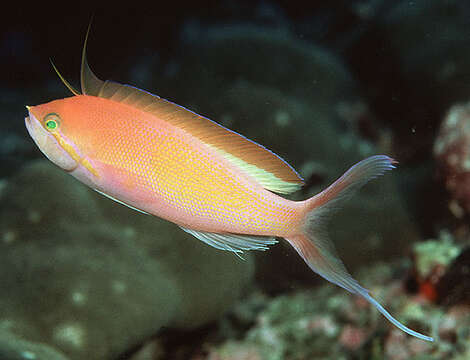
{"x": 232, "y": 242}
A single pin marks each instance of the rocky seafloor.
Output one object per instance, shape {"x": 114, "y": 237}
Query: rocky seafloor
{"x": 85, "y": 278}
{"x": 326, "y": 323}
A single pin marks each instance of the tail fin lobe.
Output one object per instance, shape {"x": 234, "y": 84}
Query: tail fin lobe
{"x": 312, "y": 242}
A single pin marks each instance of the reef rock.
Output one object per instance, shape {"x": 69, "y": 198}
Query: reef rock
{"x": 452, "y": 153}
{"x": 15, "y": 348}
{"x": 329, "y": 323}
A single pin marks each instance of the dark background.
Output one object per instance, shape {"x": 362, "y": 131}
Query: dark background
{"x": 33, "y": 33}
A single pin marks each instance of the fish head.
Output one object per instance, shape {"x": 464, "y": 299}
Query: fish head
{"x": 50, "y": 126}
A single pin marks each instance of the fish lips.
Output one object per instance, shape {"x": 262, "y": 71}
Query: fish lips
{"x": 48, "y": 144}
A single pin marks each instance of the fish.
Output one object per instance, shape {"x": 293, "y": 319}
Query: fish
{"x": 162, "y": 159}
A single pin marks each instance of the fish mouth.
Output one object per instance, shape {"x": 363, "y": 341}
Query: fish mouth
{"x": 48, "y": 144}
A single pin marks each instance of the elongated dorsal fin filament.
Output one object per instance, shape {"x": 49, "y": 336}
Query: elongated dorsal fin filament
{"x": 91, "y": 85}
{"x": 66, "y": 83}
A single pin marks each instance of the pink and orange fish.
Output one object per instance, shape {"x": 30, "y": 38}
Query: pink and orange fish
{"x": 162, "y": 159}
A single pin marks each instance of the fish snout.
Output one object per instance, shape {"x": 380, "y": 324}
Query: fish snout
{"x": 48, "y": 144}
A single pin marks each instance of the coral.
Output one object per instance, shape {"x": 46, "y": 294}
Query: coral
{"x": 299, "y": 326}
{"x": 93, "y": 278}
{"x": 328, "y": 323}
{"x": 150, "y": 351}
{"x": 452, "y": 153}
{"x": 235, "y": 351}
{"x": 15, "y": 348}
{"x": 432, "y": 253}
{"x": 440, "y": 268}
{"x": 453, "y": 287}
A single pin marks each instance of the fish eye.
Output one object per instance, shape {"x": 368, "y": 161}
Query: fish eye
{"x": 51, "y": 121}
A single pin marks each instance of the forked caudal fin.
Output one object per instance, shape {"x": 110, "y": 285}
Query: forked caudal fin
{"x": 312, "y": 242}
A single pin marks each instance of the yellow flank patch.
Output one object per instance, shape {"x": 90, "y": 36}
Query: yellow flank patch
{"x": 265, "y": 178}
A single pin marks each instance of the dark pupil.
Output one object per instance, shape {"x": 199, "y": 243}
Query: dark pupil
{"x": 51, "y": 124}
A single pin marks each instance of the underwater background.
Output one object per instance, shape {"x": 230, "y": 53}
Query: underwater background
{"x": 323, "y": 85}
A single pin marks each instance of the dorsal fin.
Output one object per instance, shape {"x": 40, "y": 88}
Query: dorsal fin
{"x": 272, "y": 172}
{"x": 268, "y": 169}
{"x": 89, "y": 81}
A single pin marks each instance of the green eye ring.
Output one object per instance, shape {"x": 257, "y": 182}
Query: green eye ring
{"x": 51, "y": 124}
{"x": 51, "y": 121}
